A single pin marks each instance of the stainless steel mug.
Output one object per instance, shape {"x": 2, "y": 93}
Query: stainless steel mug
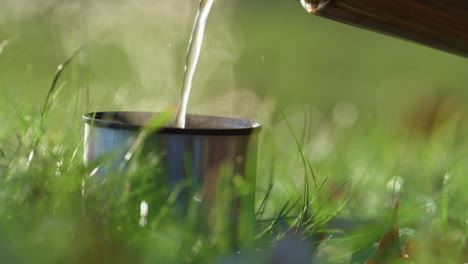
{"x": 215, "y": 154}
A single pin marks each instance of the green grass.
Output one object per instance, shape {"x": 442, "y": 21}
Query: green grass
{"x": 326, "y": 183}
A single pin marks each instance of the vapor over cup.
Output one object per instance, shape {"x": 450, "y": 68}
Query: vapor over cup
{"x": 215, "y": 155}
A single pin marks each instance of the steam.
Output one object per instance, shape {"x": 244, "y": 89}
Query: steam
{"x": 149, "y": 39}
{"x": 238, "y": 103}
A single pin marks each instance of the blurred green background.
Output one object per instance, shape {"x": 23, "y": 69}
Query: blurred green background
{"x": 273, "y": 49}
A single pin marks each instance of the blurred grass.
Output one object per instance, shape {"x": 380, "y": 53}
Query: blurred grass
{"x": 404, "y": 115}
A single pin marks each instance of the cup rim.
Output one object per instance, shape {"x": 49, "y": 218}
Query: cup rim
{"x": 202, "y": 124}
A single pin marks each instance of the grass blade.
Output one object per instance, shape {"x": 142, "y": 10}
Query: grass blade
{"x": 58, "y": 73}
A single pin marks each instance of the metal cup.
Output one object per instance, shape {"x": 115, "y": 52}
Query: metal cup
{"x": 215, "y": 155}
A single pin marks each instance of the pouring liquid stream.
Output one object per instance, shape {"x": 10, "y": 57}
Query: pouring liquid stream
{"x": 193, "y": 54}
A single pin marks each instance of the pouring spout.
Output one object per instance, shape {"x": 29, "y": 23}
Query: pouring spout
{"x": 310, "y": 6}
{"x": 428, "y": 22}
{"x": 314, "y": 6}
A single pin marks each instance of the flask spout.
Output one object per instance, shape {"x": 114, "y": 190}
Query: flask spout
{"x": 312, "y": 6}
{"x": 439, "y": 24}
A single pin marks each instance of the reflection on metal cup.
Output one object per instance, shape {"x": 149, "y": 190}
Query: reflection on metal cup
{"x": 216, "y": 155}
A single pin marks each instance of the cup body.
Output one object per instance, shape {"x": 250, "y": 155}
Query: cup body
{"x": 215, "y": 155}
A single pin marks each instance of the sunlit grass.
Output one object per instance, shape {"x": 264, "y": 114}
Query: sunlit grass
{"x": 326, "y": 185}
{"x": 54, "y": 211}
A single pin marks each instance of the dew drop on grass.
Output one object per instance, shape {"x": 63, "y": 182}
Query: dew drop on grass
{"x": 93, "y": 172}
{"x": 30, "y": 157}
{"x": 128, "y": 156}
{"x": 143, "y": 213}
{"x": 143, "y": 209}
{"x": 446, "y": 178}
{"x": 407, "y": 232}
{"x": 431, "y": 207}
{"x": 58, "y": 169}
{"x": 395, "y": 184}
{"x": 197, "y": 246}
{"x": 198, "y": 197}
